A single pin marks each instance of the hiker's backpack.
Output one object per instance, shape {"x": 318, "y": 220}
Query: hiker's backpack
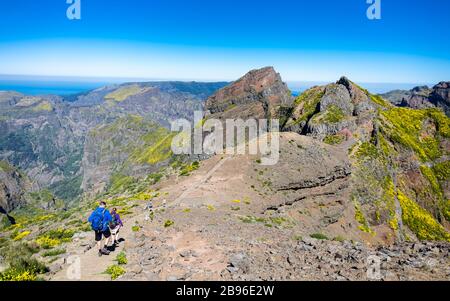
{"x": 113, "y": 223}
{"x": 97, "y": 220}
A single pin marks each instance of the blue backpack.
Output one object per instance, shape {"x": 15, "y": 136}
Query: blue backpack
{"x": 97, "y": 220}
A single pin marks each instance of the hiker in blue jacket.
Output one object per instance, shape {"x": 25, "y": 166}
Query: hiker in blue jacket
{"x": 100, "y": 220}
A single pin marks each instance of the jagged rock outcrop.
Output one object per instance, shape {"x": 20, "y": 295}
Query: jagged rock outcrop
{"x": 258, "y": 94}
{"x": 402, "y": 97}
{"x": 422, "y": 97}
{"x": 440, "y": 96}
{"x": 329, "y": 110}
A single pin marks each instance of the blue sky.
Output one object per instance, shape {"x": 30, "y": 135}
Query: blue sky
{"x": 221, "y": 40}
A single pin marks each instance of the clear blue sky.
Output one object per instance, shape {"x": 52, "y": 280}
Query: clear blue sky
{"x": 221, "y": 40}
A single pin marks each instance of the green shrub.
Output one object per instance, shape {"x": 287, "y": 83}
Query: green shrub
{"x": 309, "y": 101}
{"x": 319, "y": 236}
{"x": 168, "y": 223}
{"x": 268, "y": 222}
{"x": 333, "y": 114}
{"x": 121, "y": 258}
{"x": 334, "y": 139}
{"x": 21, "y": 266}
{"x": 442, "y": 170}
{"x": 187, "y": 169}
{"x": 115, "y": 271}
{"x": 12, "y": 251}
{"x": 53, "y": 253}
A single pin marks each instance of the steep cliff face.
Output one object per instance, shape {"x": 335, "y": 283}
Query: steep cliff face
{"x": 258, "y": 94}
{"x": 13, "y": 186}
{"x": 38, "y": 137}
{"x": 129, "y": 147}
{"x": 440, "y": 96}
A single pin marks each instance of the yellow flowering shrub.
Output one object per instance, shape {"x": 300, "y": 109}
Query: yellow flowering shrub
{"x": 142, "y": 196}
{"x": 393, "y": 223}
{"x": 44, "y": 217}
{"x": 15, "y": 275}
{"x": 21, "y": 235}
{"x": 47, "y": 242}
{"x": 361, "y": 219}
{"x": 115, "y": 271}
{"x": 420, "y": 221}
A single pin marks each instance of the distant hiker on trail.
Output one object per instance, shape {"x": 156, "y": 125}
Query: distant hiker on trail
{"x": 115, "y": 226}
{"x": 100, "y": 220}
{"x": 149, "y": 207}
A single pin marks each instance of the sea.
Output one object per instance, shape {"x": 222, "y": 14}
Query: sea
{"x": 50, "y": 86}
{"x": 65, "y": 86}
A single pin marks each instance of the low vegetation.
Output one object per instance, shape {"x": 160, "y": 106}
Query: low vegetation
{"x": 123, "y": 93}
{"x": 333, "y": 114}
{"x": 420, "y": 221}
{"x": 308, "y": 102}
{"x": 53, "y": 253}
{"x": 186, "y": 169}
{"x": 334, "y": 139}
{"x": 168, "y": 223}
{"x": 115, "y": 271}
{"x": 121, "y": 258}
{"x": 21, "y": 266}
{"x": 319, "y": 236}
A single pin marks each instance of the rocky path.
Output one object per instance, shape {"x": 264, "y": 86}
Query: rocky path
{"x": 92, "y": 267}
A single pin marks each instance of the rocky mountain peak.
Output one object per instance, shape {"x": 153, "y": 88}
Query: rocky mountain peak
{"x": 422, "y": 97}
{"x": 420, "y": 88}
{"x": 328, "y": 110}
{"x": 257, "y": 94}
{"x": 441, "y": 96}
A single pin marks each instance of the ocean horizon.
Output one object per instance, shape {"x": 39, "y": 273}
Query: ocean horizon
{"x": 65, "y": 86}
